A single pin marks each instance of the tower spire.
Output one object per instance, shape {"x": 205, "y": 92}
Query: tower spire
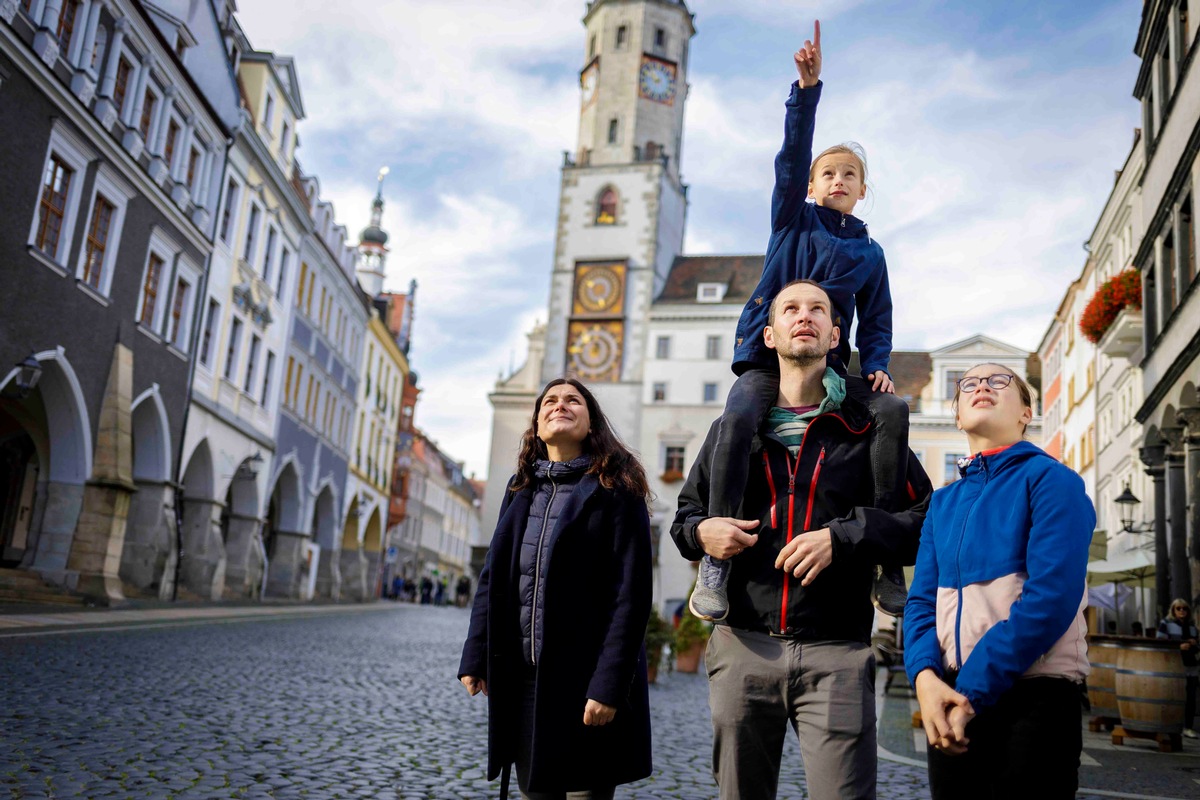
{"x": 372, "y": 245}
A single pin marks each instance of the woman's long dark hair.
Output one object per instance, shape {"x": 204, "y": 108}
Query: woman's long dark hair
{"x": 612, "y": 463}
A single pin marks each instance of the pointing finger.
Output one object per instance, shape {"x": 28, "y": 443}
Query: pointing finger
{"x": 817, "y": 32}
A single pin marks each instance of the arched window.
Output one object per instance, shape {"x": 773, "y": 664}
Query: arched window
{"x": 606, "y": 208}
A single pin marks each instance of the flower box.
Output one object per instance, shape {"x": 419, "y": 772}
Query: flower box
{"x": 1124, "y": 335}
{"x": 1114, "y": 295}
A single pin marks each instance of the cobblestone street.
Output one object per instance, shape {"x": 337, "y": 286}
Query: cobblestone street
{"x": 354, "y": 704}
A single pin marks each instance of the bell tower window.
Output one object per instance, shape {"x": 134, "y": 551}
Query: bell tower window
{"x": 614, "y": 127}
{"x": 606, "y": 208}
{"x": 622, "y": 37}
{"x": 592, "y": 47}
{"x": 660, "y": 39}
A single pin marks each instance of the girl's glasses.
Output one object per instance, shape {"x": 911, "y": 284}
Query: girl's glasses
{"x": 999, "y": 381}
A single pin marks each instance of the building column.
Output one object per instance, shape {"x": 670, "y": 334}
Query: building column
{"x": 181, "y": 192}
{"x": 329, "y": 576}
{"x": 106, "y": 110}
{"x": 77, "y": 41}
{"x": 159, "y": 168}
{"x": 45, "y": 42}
{"x": 1189, "y": 417}
{"x": 243, "y": 557}
{"x": 100, "y": 535}
{"x": 148, "y": 555}
{"x": 133, "y": 137}
{"x": 353, "y": 566}
{"x": 83, "y": 84}
{"x": 202, "y": 561}
{"x": 285, "y": 567}
{"x": 1181, "y": 574}
{"x": 1153, "y": 456}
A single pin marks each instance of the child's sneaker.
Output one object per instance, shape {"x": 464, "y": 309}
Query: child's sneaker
{"x": 889, "y": 592}
{"x": 708, "y": 599}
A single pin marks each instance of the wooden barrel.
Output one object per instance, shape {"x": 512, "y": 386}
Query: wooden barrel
{"x": 1151, "y": 684}
{"x": 1102, "y": 682}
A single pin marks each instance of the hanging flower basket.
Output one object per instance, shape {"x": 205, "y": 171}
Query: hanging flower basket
{"x": 1119, "y": 291}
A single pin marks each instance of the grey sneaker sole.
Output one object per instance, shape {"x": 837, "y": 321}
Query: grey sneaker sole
{"x": 708, "y": 605}
{"x": 889, "y": 595}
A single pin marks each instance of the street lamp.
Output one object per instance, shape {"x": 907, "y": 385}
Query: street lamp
{"x": 30, "y": 372}
{"x": 1127, "y": 500}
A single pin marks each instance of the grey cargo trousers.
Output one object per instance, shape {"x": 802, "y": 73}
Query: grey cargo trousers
{"x": 826, "y": 689}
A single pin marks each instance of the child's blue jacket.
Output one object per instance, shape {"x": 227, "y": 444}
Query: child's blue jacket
{"x": 1000, "y": 583}
{"x": 821, "y": 244}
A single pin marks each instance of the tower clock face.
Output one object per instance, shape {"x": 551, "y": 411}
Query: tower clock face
{"x": 594, "y": 350}
{"x": 589, "y": 82}
{"x": 656, "y": 80}
{"x": 598, "y": 289}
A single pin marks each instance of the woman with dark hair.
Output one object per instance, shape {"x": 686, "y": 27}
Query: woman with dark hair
{"x": 994, "y": 633}
{"x": 556, "y": 633}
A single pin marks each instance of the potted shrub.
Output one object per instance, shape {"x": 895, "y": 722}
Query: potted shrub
{"x": 690, "y": 638}
{"x": 658, "y": 636}
{"x": 1121, "y": 290}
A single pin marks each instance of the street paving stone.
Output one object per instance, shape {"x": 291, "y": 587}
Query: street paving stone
{"x": 350, "y": 705}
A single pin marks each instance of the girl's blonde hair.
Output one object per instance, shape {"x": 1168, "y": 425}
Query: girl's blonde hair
{"x": 849, "y": 148}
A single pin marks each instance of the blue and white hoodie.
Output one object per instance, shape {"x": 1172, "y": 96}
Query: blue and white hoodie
{"x": 1000, "y": 583}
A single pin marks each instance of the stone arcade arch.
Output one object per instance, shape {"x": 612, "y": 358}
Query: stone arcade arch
{"x": 54, "y": 419}
{"x": 147, "y": 559}
{"x": 241, "y": 531}
{"x": 372, "y": 549}
{"x": 351, "y": 561}
{"x": 202, "y": 563}
{"x": 283, "y": 533}
{"x": 324, "y": 533}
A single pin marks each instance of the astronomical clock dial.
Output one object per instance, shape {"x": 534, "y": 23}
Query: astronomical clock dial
{"x": 594, "y": 352}
{"x": 656, "y": 80}
{"x": 599, "y": 288}
{"x": 589, "y": 82}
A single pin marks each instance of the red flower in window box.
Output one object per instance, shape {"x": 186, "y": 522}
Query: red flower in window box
{"x": 1119, "y": 291}
{"x": 671, "y": 476}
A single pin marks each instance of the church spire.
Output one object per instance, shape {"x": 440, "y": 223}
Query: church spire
{"x": 372, "y": 246}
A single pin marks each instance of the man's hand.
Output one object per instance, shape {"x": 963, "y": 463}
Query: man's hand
{"x": 806, "y": 555}
{"x": 881, "y": 382}
{"x": 596, "y": 713}
{"x": 944, "y": 713}
{"x": 725, "y": 537}
{"x": 474, "y": 685}
{"x": 808, "y": 59}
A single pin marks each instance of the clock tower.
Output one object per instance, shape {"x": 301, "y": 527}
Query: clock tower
{"x": 622, "y": 205}
{"x": 622, "y": 208}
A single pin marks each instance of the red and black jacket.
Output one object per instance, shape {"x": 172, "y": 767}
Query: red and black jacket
{"x": 827, "y": 485}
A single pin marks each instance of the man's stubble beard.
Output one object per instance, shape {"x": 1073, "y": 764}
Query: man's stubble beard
{"x": 805, "y": 355}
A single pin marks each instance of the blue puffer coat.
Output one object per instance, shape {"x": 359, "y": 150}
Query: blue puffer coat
{"x": 556, "y": 480}
{"x": 820, "y": 244}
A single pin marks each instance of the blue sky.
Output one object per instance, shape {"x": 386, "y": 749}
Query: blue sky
{"x": 992, "y": 130}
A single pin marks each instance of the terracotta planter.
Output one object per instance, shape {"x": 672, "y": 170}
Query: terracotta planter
{"x": 689, "y": 660}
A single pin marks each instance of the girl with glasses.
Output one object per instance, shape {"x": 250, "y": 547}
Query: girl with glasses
{"x": 994, "y": 635}
{"x": 1178, "y": 624}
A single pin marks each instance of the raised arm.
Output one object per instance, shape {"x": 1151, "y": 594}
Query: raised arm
{"x": 794, "y": 159}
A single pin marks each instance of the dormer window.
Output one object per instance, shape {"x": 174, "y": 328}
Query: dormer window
{"x": 710, "y": 292}
{"x": 269, "y": 113}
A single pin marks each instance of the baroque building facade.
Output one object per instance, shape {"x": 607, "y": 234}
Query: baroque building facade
{"x": 110, "y": 192}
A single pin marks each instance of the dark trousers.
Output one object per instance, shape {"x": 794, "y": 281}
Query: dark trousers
{"x": 750, "y": 400}
{"x": 1027, "y": 745}
{"x": 1189, "y": 707}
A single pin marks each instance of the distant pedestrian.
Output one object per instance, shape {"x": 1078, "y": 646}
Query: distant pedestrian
{"x": 439, "y": 592}
{"x": 559, "y": 620}
{"x": 994, "y": 632}
{"x": 462, "y": 591}
{"x": 1179, "y": 625}
{"x": 426, "y": 590}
